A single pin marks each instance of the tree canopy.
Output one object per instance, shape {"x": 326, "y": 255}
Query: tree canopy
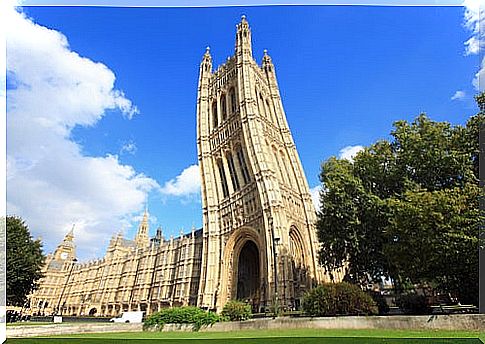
{"x": 24, "y": 261}
{"x": 407, "y": 208}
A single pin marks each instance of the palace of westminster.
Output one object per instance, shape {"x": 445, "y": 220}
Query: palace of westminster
{"x": 258, "y": 240}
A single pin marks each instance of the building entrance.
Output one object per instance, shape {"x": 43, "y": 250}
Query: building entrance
{"x": 248, "y": 280}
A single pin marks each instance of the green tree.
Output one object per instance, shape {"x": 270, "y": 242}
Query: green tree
{"x": 406, "y": 208}
{"x": 24, "y": 261}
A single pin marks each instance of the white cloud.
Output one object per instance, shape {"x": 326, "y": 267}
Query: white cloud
{"x": 51, "y": 184}
{"x": 474, "y": 19}
{"x": 349, "y": 152}
{"x": 459, "y": 95}
{"x": 129, "y": 148}
{"x": 479, "y": 79}
{"x": 186, "y": 183}
{"x": 315, "y": 193}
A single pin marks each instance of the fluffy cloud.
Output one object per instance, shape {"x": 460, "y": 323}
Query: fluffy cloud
{"x": 50, "y": 183}
{"x": 186, "y": 183}
{"x": 474, "y": 19}
{"x": 459, "y": 95}
{"x": 349, "y": 152}
{"x": 315, "y": 193}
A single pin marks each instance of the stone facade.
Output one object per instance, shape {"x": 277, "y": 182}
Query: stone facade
{"x": 142, "y": 274}
{"x": 258, "y": 242}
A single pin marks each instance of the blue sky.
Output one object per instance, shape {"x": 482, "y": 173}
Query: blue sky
{"x": 345, "y": 74}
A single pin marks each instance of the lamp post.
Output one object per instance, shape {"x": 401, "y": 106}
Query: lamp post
{"x": 65, "y": 285}
{"x": 275, "y": 266}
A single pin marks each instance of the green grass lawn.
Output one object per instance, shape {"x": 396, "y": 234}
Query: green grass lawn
{"x": 307, "y": 336}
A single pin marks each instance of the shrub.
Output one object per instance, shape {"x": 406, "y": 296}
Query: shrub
{"x": 236, "y": 311}
{"x": 181, "y": 315}
{"x": 338, "y": 299}
{"x": 382, "y": 305}
{"x": 412, "y": 303}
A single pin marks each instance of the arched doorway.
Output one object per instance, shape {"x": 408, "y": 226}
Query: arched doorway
{"x": 248, "y": 280}
{"x": 93, "y": 311}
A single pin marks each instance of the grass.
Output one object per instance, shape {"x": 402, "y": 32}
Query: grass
{"x": 293, "y": 336}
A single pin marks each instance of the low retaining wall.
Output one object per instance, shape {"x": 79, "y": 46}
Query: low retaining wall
{"x": 437, "y": 322}
{"x": 473, "y": 322}
{"x": 60, "y": 329}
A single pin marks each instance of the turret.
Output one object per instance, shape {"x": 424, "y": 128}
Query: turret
{"x": 66, "y": 249}
{"x": 158, "y": 238}
{"x": 141, "y": 238}
{"x": 243, "y": 39}
{"x": 206, "y": 64}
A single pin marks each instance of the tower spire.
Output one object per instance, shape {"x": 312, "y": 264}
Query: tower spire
{"x": 206, "y": 64}
{"x": 243, "y": 39}
{"x": 70, "y": 235}
{"x": 66, "y": 249}
{"x": 141, "y": 238}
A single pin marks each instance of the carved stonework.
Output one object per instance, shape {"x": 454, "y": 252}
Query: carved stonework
{"x": 254, "y": 195}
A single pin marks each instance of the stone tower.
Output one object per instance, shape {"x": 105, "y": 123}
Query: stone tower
{"x": 258, "y": 216}
{"x": 141, "y": 238}
{"x": 66, "y": 250}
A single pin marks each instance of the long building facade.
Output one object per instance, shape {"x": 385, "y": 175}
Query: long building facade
{"x": 258, "y": 241}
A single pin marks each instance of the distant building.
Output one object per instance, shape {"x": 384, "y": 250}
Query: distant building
{"x": 142, "y": 274}
{"x": 258, "y": 216}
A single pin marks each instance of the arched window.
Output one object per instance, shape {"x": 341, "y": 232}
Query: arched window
{"x": 270, "y": 112}
{"x": 278, "y": 165}
{"x": 243, "y": 166}
{"x": 223, "y": 107}
{"x": 215, "y": 120}
{"x": 232, "y": 97}
{"x": 232, "y": 171}
{"x": 288, "y": 171}
{"x": 262, "y": 109}
{"x": 222, "y": 175}
{"x": 296, "y": 247}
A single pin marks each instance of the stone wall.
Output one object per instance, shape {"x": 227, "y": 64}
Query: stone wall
{"x": 436, "y": 322}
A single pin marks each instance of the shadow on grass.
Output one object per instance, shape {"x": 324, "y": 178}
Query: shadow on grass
{"x": 281, "y": 340}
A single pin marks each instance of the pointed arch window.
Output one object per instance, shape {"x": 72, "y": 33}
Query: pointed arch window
{"x": 288, "y": 171}
{"x": 232, "y": 97}
{"x": 243, "y": 166}
{"x": 215, "y": 121}
{"x": 223, "y": 107}
{"x": 278, "y": 165}
{"x": 232, "y": 171}
{"x": 270, "y": 112}
{"x": 262, "y": 109}
{"x": 222, "y": 175}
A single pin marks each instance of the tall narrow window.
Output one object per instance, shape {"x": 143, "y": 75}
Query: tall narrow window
{"x": 287, "y": 170}
{"x": 222, "y": 174}
{"x": 262, "y": 110}
{"x": 257, "y": 101}
{"x": 278, "y": 165}
{"x": 232, "y": 96}
{"x": 232, "y": 171}
{"x": 242, "y": 164}
{"x": 214, "y": 114}
{"x": 223, "y": 107}
{"x": 270, "y": 112}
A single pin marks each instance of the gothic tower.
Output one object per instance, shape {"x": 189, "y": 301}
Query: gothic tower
{"x": 259, "y": 239}
{"x": 66, "y": 249}
{"x": 141, "y": 238}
